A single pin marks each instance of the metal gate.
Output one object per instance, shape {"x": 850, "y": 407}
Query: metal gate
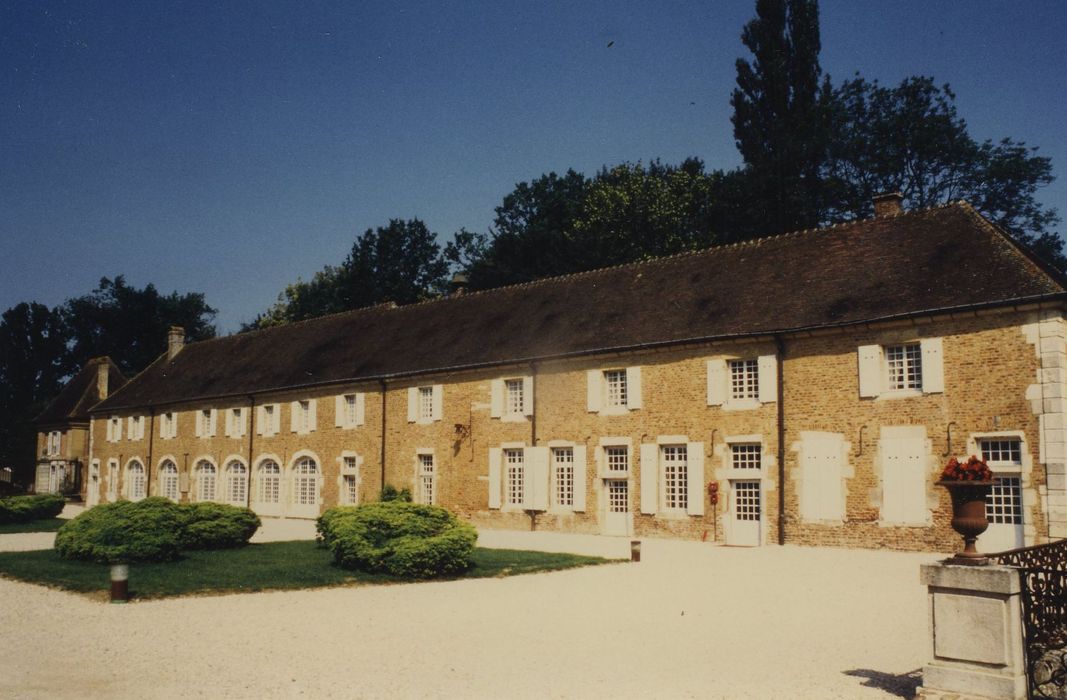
{"x": 1043, "y": 583}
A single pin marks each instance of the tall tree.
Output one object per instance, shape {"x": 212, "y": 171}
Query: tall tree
{"x": 130, "y": 324}
{"x": 400, "y": 262}
{"x": 910, "y": 139}
{"x": 781, "y": 114}
{"x": 33, "y": 365}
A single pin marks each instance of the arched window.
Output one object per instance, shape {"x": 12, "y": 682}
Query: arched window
{"x": 168, "y": 480}
{"x": 135, "y": 485}
{"x": 236, "y": 483}
{"x": 270, "y": 482}
{"x": 206, "y": 475}
{"x": 305, "y": 482}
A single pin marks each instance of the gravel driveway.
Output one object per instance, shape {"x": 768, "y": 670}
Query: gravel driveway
{"x": 690, "y": 620}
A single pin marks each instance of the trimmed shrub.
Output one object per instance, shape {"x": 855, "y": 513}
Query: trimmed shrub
{"x": 217, "y": 526}
{"x": 126, "y": 531}
{"x": 407, "y": 540}
{"x": 390, "y": 493}
{"x": 24, "y": 509}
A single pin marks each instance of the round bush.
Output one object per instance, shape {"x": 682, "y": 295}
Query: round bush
{"x": 24, "y": 509}
{"x": 217, "y": 526}
{"x": 122, "y": 532}
{"x": 402, "y": 539}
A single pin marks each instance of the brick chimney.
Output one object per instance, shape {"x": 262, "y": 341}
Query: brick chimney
{"x": 102, "y": 369}
{"x": 888, "y": 204}
{"x": 175, "y": 341}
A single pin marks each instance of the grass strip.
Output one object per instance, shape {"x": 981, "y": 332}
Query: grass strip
{"x": 45, "y": 525}
{"x": 257, "y": 567}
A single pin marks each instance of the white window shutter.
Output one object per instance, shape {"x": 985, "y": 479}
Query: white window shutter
{"x": 313, "y": 417}
{"x": 230, "y": 432}
{"x": 535, "y": 460}
{"x": 276, "y": 420}
{"x": 131, "y": 428}
{"x": 594, "y": 378}
{"x": 108, "y": 431}
{"x": 199, "y": 421}
{"x": 527, "y": 396}
{"x": 695, "y": 477}
{"x": 214, "y": 422}
{"x": 716, "y": 382}
{"x": 340, "y": 406}
{"x": 163, "y": 425}
{"x": 494, "y": 477}
{"x": 242, "y": 424}
{"x": 768, "y": 378}
{"x": 579, "y": 478}
{"x": 633, "y": 387}
{"x": 438, "y": 401}
{"x": 598, "y": 457}
{"x": 413, "y": 404}
{"x": 496, "y": 398}
{"x": 649, "y": 478}
{"x": 933, "y": 366}
{"x": 871, "y": 370}
{"x": 260, "y": 418}
{"x": 294, "y": 412}
{"x": 360, "y": 407}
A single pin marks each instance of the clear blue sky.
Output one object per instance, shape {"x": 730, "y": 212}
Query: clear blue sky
{"x": 232, "y": 147}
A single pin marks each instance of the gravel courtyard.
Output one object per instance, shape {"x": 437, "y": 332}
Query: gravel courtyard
{"x": 690, "y": 620}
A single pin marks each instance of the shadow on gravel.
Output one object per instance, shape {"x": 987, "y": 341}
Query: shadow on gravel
{"x": 902, "y": 685}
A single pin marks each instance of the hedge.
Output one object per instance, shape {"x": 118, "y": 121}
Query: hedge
{"x": 407, "y": 540}
{"x": 153, "y": 529}
{"x": 24, "y": 509}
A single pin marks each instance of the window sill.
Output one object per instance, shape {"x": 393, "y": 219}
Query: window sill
{"x": 514, "y": 418}
{"x": 741, "y": 405}
{"x": 615, "y": 411}
{"x": 674, "y": 515}
{"x": 899, "y": 394}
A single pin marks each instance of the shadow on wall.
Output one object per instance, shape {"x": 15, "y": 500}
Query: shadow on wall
{"x": 902, "y": 685}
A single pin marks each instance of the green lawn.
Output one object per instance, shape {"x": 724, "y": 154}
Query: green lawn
{"x": 46, "y": 525}
{"x": 257, "y": 567}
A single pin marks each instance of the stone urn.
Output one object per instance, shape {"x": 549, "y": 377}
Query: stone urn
{"x": 968, "y": 515}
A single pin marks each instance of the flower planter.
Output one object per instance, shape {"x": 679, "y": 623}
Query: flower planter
{"x": 968, "y": 515}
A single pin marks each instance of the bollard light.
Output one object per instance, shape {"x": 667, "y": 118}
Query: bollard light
{"x": 120, "y": 574}
{"x": 635, "y": 550}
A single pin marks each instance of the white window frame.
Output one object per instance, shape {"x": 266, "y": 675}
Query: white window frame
{"x": 53, "y": 447}
{"x": 168, "y": 425}
{"x": 236, "y": 424}
{"x": 605, "y": 400}
{"x": 349, "y": 410}
{"x": 112, "y": 480}
{"x": 678, "y": 502}
{"x": 1007, "y": 469}
{"x": 131, "y": 482}
{"x": 206, "y": 422}
{"x": 169, "y": 481}
{"x": 564, "y": 477}
{"x": 425, "y": 403}
{"x": 114, "y": 429}
{"x": 876, "y": 372}
{"x": 514, "y": 467}
{"x": 202, "y": 495}
{"x": 759, "y": 381}
{"x": 269, "y": 421}
{"x": 904, "y": 367}
{"x": 303, "y": 416}
{"x": 426, "y": 476}
{"x": 511, "y": 398}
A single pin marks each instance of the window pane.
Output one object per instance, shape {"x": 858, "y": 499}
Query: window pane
{"x": 744, "y": 379}
{"x": 675, "y": 477}
{"x": 904, "y": 363}
{"x": 515, "y": 486}
{"x": 563, "y": 476}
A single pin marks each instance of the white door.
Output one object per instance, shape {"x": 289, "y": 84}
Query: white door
{"x": 746, "y": 509}
{"x": 92, "y": 490}
{"x": 1004, "y": 508}
{"x": 43, "y": 479}
{"x": 267, "y": 494}
{"x": 304, "y": 489}
{"x": 903, "y": 480}
{"x": 618, "y": 519}
{"x": 55, "y": 477}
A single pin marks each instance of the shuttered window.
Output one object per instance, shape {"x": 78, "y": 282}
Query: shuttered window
{"x": 515, "y": 478}
{"x": 904, "y": 364}
{"x": 675, "y": 477}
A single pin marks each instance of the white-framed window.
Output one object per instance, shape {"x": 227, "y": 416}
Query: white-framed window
{"x": 236, "y": 483}
{"x": 746, "y": 456}
{"x": 674, "y": 461}
{"x": 563, "y": 477}
{"x": 135, "y": 428}
{"x": 113, "y": 479}
{"x": 746, "y": 500}
{"x": 614, "y": 391}
{"x": 617, "y": 459}
{"x": 206, "y": 481}
{"x": 269, "y": 419}
{"x": 514, "y": 404}
{"x": 349, "y": 409}
{"x": 53, "y": 444}
{"x": 168, "y": 425}
{"x": 425, "y": 403}
{"x": 350, "y": 480}
{"x": 514, "y": 489}
{"x": 426, "y": 478}
{"x": 206, "y": 422}
{"x": 1004, "y": 503}
{"x": 305, "y": 482}
{"x": 235, "y": 422}
{"x": 168, "y": 480}
{"x": 303, "y": 416}
{"x": 114, "y": 429}
{"x": 901, "y": 368}
{"x": 511, "y": 399}
{"x": 269, "y": 482}
{"x": 904, "y": 367}
{"x": 744, "y": 379}
{"x": 135, "y": 481}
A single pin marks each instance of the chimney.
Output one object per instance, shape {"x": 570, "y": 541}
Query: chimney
{"x": 888, "y": 204}
{"x": 102, "y": 368}
{"x": 458, "y": 285}
{"x": 175, "y": 341}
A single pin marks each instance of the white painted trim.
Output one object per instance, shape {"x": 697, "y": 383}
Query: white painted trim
{"x": 672, "y": 439}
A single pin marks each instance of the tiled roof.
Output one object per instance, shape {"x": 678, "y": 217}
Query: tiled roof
{"x": 80, "y": 394}
{"x": 906, "y": 264}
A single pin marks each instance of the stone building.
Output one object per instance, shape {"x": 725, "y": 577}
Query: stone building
{"x": 802, "y": 388}
{"x": 63, "y": 428}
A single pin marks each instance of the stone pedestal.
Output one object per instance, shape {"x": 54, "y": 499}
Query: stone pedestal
{"x": 976, "y": 642}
